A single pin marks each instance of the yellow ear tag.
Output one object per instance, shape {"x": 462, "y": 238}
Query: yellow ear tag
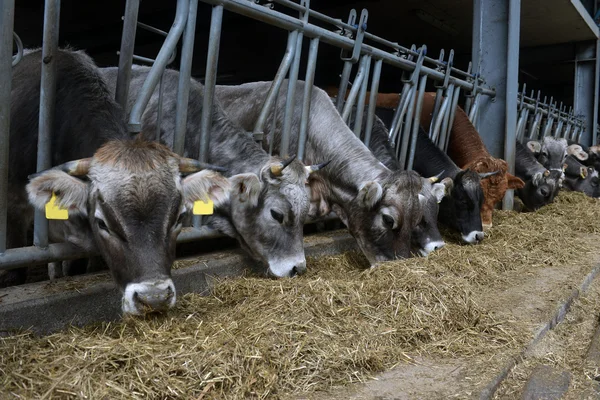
{"x": 203, "y": 208}
{"x": 53, "y": 211}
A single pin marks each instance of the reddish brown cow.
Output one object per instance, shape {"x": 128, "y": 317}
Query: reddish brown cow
{"x": 466, "y": 149}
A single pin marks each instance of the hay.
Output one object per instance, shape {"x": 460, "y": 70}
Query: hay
{"x": 339, "y": 323}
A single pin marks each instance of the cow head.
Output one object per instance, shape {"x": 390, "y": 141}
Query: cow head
{"x": 266, "y": 214}
{"x": 133, "y": 197}
{"x": 495, "y": 186}
{"x": 594, "y": 157}
{"x": 541, "y": 189}
{"x": 463, "y": 206}
{"x": 381, "y": 214}
{"x": 550, "y": 153}
{"x": 426, "y": 236}
{"x": 581, "y": 178}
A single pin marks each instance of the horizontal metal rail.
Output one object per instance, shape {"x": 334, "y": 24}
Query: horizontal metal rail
{"x": 290, "y": 23}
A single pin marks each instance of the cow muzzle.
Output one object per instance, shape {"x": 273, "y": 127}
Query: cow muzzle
{"x": 287, "y": 269}
{"x": 431, "y": 246}
{"x": 473, "y": 237}
{"x": 149, "y": 296}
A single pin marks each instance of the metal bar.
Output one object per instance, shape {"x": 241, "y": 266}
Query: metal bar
{"x": 399, "y": 113}
{"x": 374, "y": 38}
{"x": 210, "y": 79}
{"x": 372, "y": 100}
{"x": 161, "y": 90}
{"x": 406, "y": 128}
{"x": 362, "y": 95}
{"x": 308, "y": 85}
{"x": 439, "y": 118}
{"x": 157, "y": 69}
{"x": 47, "y": 101}
{"x": 512, "y": 90}
{"x": 126, "y": 52}
{"x": 452, "y": 117}
{"x": 360, "y": 75}
{"x": 341, "y": 96}
{"x": 185, "y": 75}
{"x": 284, "y": 67}
{"x": 287, "y": 22}
{"x": 7, "y": 15}
{"x": 152, "y": 29}
{"x": 290, "y": 102}
{"x": 445, "y": 127}
{"x": 416, "y": 122}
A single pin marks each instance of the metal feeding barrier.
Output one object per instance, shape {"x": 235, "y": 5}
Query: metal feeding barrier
{"x": 358, "y": 46}
{"x": 538, "y": 119}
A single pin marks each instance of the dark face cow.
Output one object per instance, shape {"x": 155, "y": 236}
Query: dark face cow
{"x": 380, "y": 207}
{"x": 581, "y": 178}
{"x": 133, "y": 228}
{"x": 268, "y": 204}
{"x": 541, "y": 184}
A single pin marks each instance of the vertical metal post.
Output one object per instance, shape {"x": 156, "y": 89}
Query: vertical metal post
{"x": 210, "y": 79}
{"x": 585, "y": 92}
{"x": 512, "y": 92}
{"x": 7, "y": 17}
{"x": 308, "y": 85}
{"x": 453, "y": 106}
{"x": 185, "y": 74}
{"x": 290, "y": 99}
{"x": 416, "y": 122}
{"x": 126, "y": 52}
{"x": 358, "y": 79}
{"x": 47, "y": 100}
{"x": 362, "y": 95}
{"x": 490, "y": 58}
{"x": 373, "y": 100}
{"x": 339, "y": 103}
{"x": 284, "y": 67}
{"x": 596, "y": 117}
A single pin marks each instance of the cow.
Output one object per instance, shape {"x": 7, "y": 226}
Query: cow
{"x": 125, "y": 196}
{"x": 379, "y": 207}
{"x": 426, "y": 235}
{"x": 541, "y": 184}
{"x": 467, "y": 150}
{"x": 581, "y": 178}
{"x": 269, "y": 204}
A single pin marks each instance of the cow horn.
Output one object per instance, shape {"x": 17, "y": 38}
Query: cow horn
{"x": 436, "y": 178}
{"x": 583, "y": 172}
{"x": 79, "y": 167}
{"x": 546, "y": 172}
{"x": 484, "y": 175}
{"x": 189, "y": 165}
{"x": 314, "y": 168}
{"x": 277, "y": 169}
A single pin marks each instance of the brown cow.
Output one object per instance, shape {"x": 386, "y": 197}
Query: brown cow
{"x": 466, "y": 149}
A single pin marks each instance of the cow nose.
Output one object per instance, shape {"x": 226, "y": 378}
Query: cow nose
{"x": 439, "y": 246}
{"x": 479, "y": 236}
{"x": 149, "y": 296}
{"x": 299, "y": 268}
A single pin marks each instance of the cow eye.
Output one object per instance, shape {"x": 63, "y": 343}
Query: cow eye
{"x": 277, "y": 216}
{"x": 101, "y": 224}
{"x": 388, "y": 221}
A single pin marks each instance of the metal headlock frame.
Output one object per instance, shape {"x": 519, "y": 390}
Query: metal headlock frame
{"x": 538, "y": 119}
{"x": 414, "y": 63}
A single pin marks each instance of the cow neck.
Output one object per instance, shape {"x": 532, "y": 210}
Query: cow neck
{"x": 430, "y": 160}
{"x": 526, "y": 165}
{"x": 233, "y": 147}
{"x": 352, "y": 163}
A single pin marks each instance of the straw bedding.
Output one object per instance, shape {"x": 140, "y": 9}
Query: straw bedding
{"x": 339, "y": 323}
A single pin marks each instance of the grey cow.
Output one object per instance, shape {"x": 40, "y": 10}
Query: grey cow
{"x": 268, "y": 204}
{"x": 126, "y": 197}
{"x": 380, "y": 207}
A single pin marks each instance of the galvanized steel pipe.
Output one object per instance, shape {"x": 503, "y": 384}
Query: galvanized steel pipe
{"x": 126, "y": 52}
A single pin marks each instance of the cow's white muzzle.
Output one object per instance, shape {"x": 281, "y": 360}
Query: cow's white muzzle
{"x": 149, "y": 296}
{"x": 473, "y": 237}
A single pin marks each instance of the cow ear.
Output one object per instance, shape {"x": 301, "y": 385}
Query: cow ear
{"x": 205, "y": 185}
{"x": 577, "y": 152}
{"x": 534, "y": 146}
{"x": 439, "y": 191}
{"x": 369, "y": 194}
{"x": 318, "y": 194}
{"x": 537, "y": 178}
{"x": 514, "y": 182}
{"x": 71, "y": 193}
{"x": 245, "y": 188}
